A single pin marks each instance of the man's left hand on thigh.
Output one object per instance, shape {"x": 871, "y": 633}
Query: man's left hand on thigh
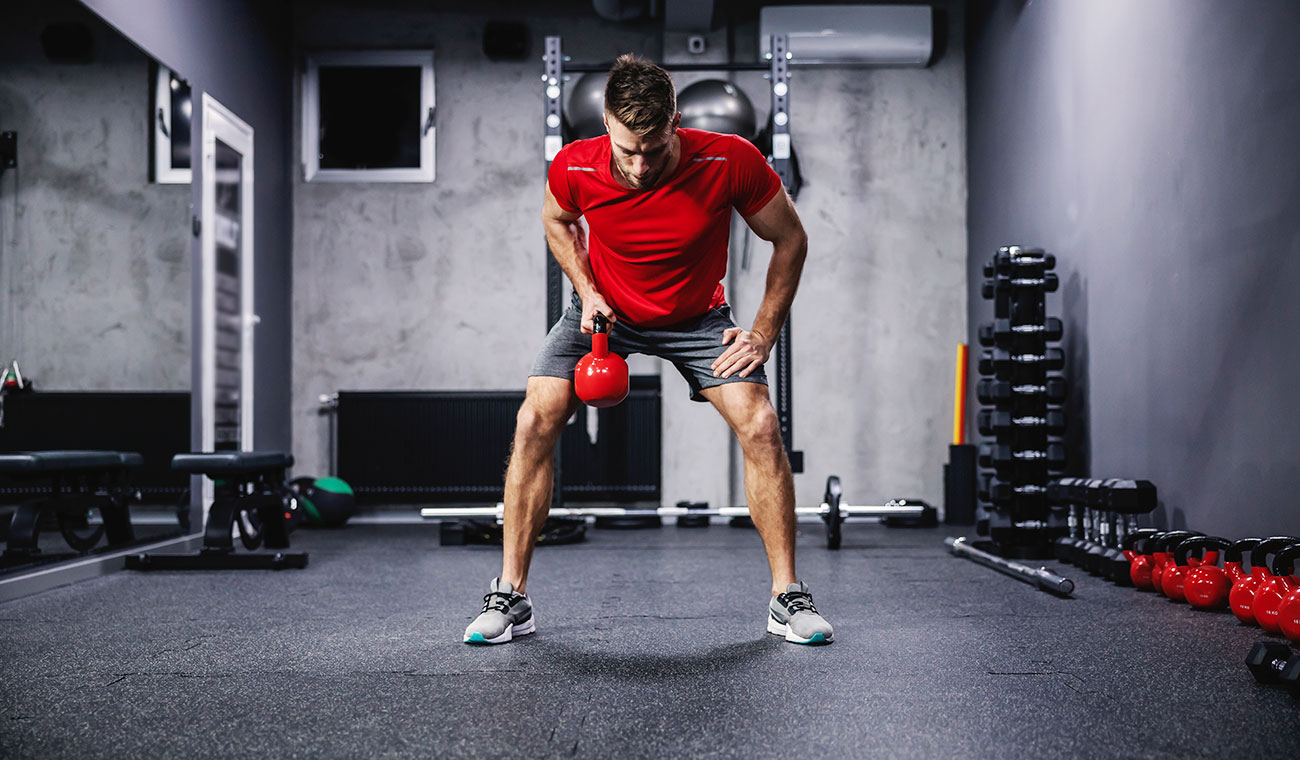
{"x": 749, "y": 349}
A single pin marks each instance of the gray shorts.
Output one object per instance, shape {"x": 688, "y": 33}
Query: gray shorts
{"x": 690, "y": 346}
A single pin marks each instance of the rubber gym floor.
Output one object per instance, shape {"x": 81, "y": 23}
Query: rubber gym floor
{"x": 649, "y": 644}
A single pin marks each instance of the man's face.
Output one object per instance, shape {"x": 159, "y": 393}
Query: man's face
{"x": 641, "y": 160}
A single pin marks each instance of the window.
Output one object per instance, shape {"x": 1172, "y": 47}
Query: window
{"x": 170, "y": 112}
{"x": 368, "y": 116}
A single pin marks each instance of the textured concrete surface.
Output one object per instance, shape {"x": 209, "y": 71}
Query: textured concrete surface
{"x": 649, "y": 644}
{"x": 442, "y": 286}
{"x": 94, "y": 259}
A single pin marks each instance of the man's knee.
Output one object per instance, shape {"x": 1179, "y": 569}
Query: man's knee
{"x": 538, "y": 420}
{"x": 759, "y": 426}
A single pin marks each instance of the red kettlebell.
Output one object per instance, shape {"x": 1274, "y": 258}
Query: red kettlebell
{"x": 1242, "y": 597}
{"x": 1232, "y": 564}
{"x": 600, "y": 378}
{"x": 1206, "y": 586}
{"x": 1271, "y": 591}
{"x": 1288, "y": 616}
{"x": 1139, "y": 564}
{"x": 1175, "y": 575}
{"x": 1139, "y": 569}
{"x": 1163, "y": 556}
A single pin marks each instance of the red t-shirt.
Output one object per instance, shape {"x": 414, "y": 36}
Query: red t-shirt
{"x": 659, "y": 255}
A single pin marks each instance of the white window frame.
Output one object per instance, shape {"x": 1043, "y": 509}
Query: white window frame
{"x": 161, "y": 118}
{"x": 312, "y": 172}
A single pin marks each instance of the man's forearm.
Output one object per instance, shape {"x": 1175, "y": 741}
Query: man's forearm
{"x": 782, "y": 281}
{"x": 570, "y": 252}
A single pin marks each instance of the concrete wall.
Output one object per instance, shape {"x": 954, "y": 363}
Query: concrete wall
{"x": 1151, "y": 146}
{"x": 94, "y": 258}
{"x": 442, "y": 286}
{"x": 238, "y": 51}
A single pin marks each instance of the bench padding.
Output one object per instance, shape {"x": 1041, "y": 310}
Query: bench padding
{"x": 67, "y": 461}
{"x": 231, "y": 462}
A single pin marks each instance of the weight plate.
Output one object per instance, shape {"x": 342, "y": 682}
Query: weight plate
{"x": 78, "y": 532}
{"x": 833, "y": 517}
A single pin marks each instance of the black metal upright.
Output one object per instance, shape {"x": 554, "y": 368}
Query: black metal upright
{"x": 553, "y": 140}
{"x": 780, "y": 80}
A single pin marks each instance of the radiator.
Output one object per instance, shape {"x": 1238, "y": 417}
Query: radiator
{"x": 398, "y": 447}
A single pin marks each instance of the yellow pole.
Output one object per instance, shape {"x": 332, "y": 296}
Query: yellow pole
{"x": 959, "y": 398}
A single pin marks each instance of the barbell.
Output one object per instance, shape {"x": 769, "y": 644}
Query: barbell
{"x": 832, "y": 511}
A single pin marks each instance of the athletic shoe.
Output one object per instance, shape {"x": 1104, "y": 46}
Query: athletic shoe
{"x": 506, "y": 614}
{"x": 793, "y": 616}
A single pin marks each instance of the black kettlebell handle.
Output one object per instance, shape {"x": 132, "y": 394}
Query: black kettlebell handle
{"x": 1131, "y": 540}
{"x": 1183, "y": 549}
{"x": 1239, "y": 548}
{"x": 1147, "y": 545}
{"x": 1270, "y": 545}
{"x": 599, "y": 323}
{"x": 1168, "y": 541}
{"x": 1284, "y": 561}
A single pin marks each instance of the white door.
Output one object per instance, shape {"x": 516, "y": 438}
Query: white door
{"x": 226, "y": 236}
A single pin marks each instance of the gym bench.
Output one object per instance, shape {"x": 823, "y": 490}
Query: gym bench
{"x": 250, "y": 493}
{"x": 78, "y": 481}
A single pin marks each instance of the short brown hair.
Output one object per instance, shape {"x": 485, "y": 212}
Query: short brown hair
{"x": 640, "y": 94}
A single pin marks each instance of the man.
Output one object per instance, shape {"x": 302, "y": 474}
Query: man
{"x": 658, "y": 201}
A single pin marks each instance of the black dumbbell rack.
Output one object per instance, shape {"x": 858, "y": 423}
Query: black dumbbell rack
{"x": 1020, "y": 420}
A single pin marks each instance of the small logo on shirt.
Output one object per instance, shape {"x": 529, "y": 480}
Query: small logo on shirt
{"x": 710, "y": 158}
{"x": 581, "y": 169}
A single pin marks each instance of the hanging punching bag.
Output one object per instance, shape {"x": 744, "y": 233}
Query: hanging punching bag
{"x": 600, "y": 378}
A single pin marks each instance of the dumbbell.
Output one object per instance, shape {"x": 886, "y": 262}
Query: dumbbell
{"x": 1048, "y": 283}
{"x": 1000, "y": 492}
{"x": 996, "y": 455}
{"x": 1085, "y": 523}
{"x": 992, "y": 360}
{"x": 1000, "y": 332}
{"x": 1031, "y": 261}
{"x": 1127, "y": 499}
{"x": 1275, "y": 664}
{"x": 1016, "y": 257}
{"x": 1094, "y": 493}
{"x": 993, "y": 422}
{"x": 1059, "y": 491}
{"x": 1095, "y": 556}
{"x": 1108, "y": 507}
{"x": 990, "y": 391}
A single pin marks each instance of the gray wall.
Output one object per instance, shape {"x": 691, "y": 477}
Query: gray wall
{"x": 1152, "y": 147}
{"x": 238, "y": 51}
{"x": 442, "y": 286}
{"x": 94, "y": 259}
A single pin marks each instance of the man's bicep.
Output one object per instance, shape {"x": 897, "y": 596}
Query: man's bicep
{"x": 552, "y": 210}
{"x": 776, "y": 220}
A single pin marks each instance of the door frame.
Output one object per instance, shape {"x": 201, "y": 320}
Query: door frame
{"x": 220, "y": 123}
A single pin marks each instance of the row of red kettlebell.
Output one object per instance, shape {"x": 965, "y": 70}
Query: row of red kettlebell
{"x": 1257, "y": 592}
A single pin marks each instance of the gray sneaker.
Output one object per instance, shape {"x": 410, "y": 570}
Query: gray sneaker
{"x": 793, "y": 616}
{"x": 505, "y": 615}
